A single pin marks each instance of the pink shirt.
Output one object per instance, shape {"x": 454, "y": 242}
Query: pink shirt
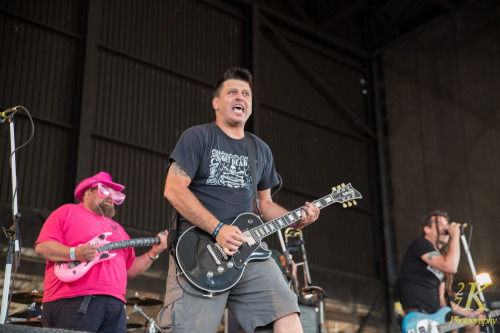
{"x": 72, "y": 225}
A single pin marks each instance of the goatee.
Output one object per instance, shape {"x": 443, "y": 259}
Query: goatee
{"x": 108, "y": 210}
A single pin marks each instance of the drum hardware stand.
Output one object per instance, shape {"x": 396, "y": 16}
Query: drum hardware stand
{"x": 293, "y": 245}
{"x": 289, "y": 265}
{"x": 489, "y": 329}
{"x": 293, "y": 233}
{"x": 11, "y": 233}
{"x": 152, "y": 326}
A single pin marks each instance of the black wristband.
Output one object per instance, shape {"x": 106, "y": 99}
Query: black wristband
{"x": 216, "y": 231}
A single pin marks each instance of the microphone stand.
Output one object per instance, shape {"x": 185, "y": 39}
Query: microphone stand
{"x": 489, "y": 329}
{"x": 14, "y": 229}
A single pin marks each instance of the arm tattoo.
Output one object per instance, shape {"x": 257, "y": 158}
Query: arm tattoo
{"x": 177, "y": 170}
{"x": 432, "y": 254}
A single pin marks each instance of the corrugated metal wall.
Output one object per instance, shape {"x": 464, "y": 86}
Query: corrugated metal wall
{"x": 40, "y": 68}
{"x": 315, "y": 143}
{"x": 444, "y": 116}
{"x": 154, "y": 67}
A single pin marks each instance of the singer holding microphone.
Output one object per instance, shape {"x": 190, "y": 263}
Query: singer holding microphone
{"x": 427, "y": 269}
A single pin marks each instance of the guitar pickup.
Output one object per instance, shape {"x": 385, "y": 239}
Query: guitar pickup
{"x": 248, "y": 236}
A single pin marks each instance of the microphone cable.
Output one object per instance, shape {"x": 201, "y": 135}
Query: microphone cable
{"x": 280, "y": 185}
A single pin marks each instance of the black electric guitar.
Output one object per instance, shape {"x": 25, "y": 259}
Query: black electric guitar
{"x": 208, "y": 268}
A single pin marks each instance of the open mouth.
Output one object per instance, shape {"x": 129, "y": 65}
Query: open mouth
{"x": 238, "y": 108}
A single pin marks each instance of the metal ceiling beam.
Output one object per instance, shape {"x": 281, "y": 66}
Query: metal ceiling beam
{"x": 341, "y": 15}
{"x": 396, "y": 21}
{"x": 446, "y": 3}
{"x": 299, "y": 11}
{"x": 318, "y": 81}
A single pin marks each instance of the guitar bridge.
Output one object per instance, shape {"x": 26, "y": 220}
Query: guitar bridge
{"x": 212, "y": 253}
{"x": 221, "y": 251}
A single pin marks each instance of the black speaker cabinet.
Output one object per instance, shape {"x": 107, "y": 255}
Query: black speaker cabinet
{"x": 309, "y": 317}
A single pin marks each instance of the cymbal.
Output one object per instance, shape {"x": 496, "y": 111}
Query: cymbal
{"x": 28, "y": 297}
{"x": 34, "y": 323}
{"x": 134, "y": 325}
{"x": 141, "y": 300}
{"x": 20, "y": 314}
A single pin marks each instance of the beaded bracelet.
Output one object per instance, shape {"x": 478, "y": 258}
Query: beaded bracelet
{"x": 72, "y": 253}
{"x": 293, "y": 226}
{"x": 216, "y": 231}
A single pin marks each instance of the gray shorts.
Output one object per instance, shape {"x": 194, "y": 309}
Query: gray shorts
{"x": 260, "y": 297}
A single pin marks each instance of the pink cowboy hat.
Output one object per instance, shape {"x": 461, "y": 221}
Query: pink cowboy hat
{"x": 102, "y": 177}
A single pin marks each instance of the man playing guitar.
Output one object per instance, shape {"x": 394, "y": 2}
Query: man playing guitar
{"x": 95, "y": 301}
{"x": 209, "y": 184}
{"x": 428, "y": 266}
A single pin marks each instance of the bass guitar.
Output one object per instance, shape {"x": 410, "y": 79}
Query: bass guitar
{"x": 417, "y": 322}
{"x": 207, "y": 267}
{"x": 73, "y": 270}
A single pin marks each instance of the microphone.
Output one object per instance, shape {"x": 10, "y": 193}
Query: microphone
{"x": 462, "y": 227}
{"x": 9, "y": 112}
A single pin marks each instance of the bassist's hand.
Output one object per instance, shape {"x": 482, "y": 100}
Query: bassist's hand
{"x": 86, "y": 252}
{"x": 230, "y": 238}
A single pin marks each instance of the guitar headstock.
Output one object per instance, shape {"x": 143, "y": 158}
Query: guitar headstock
{"x": 346, "y": 195}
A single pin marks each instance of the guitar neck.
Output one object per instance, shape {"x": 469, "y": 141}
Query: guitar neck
{"x": 137, "y": 242}
{"x": 284, "y": 221}
{"x": 450, "y": 326}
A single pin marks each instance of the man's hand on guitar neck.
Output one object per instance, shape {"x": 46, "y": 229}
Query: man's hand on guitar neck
{"x": 229, "y": 238}
{"x": 310, "y": 213}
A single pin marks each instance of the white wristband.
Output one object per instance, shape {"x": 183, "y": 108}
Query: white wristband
{"x": 72, "y": 253}
{"x": 152, "y": 258}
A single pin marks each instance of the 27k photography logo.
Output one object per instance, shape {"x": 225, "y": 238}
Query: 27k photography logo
{"x": 475, "y": 290}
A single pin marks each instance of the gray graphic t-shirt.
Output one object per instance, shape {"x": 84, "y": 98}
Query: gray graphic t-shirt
{"x": 220, "y": 173}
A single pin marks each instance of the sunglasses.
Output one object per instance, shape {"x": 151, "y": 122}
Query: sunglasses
{"x": 104, "y": 192}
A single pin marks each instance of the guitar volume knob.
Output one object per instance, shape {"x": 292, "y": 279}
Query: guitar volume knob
{"x": 230, "y": 264}
{"x": 210, "y": 274}
{"x": 220, "y": 269}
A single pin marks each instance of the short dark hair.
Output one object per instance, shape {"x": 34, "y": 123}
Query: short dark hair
{"x": 428, "y": 220}
{"x": 234, "y": 73}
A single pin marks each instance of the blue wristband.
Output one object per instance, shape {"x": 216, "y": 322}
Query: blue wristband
{"x": 216, "y": 231}
{"x": 72, "y": 253}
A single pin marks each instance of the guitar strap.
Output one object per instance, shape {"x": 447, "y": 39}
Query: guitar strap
{"x": 173, "y": 233}
{"x": 252, "y": 161}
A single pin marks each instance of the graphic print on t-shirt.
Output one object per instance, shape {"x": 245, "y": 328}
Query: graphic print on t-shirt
{"x": 228, "y": 170}
{"x": 437, "y": 272}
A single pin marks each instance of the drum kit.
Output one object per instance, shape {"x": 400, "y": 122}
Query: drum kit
{"x": 30, "y": 315}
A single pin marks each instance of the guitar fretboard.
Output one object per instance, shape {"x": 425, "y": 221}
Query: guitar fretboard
{"x": 340, "y": 195}
{"x": 137, "y": 242}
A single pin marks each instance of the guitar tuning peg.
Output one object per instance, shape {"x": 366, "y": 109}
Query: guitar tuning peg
{"x": 349, "y": 204}
{"x": 354, "y": 202}
{"x": 343, "y": 185}
{"x": 344, "y": 205}
{"x": 338, "y": 187}
{"x": 334, "y": 188}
